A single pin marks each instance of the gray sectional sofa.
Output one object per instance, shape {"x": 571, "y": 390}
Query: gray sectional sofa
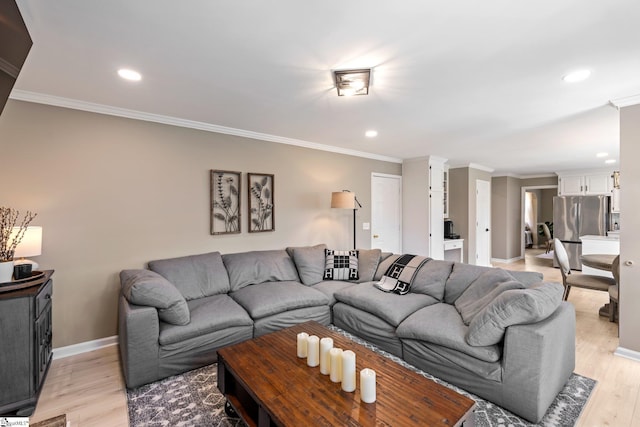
{"x": 506, "y": 336}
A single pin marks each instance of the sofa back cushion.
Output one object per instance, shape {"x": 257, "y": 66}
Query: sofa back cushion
{"x": 249, "y": 268}
{"x": 430, "y": 279}
{"x": 482, "y": 291}
{"x": 195, "y": 276}
{"x": 368, "y": 260}
{"x": 514, "y": 307}
{"x": 146, "y": 288}
{"x": 461, "y": 277}
{"x": 309, "y": 261}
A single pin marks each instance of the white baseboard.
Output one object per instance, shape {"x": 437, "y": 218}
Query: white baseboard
{"x": 84, "y": 347}
{"x": 629, "y": 354}
{"x": 506, "y": 261}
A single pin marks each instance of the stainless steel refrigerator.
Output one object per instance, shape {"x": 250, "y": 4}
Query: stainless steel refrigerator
{"x": 575, "y": 216}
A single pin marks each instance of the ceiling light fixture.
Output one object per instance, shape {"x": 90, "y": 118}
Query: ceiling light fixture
{"x": 577, "y": 76}
{"x": 603, "y": 154}
{"x": 610, "y": 161}
{"x": 352, "y": 82}
{"x": 128, "y": 74}
{"x": 371, "y": 133}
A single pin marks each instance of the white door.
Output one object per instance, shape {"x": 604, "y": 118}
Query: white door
{"x": 483, "y": 222}
{"x": 386, "y": 212}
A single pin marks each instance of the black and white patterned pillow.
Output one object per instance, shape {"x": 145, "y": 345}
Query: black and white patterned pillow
{"x": 341, "y": 265}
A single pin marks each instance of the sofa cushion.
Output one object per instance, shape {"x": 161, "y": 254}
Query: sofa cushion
{"x": 461, "y": 276}
{"x": 208, "y": 314}
{"x": 249, "y": 268}
{"x": 266, "y": 299}
{"x": 341, "y": 265}
{"x": 330, "y": 287}
{"x": 482, "y": 291}
{"x": 309, "y": 261}
{"x": 441, "y": 324}
{"x": 514, "y": 307}
{"x": 431, "y": 278}
{"x": 146, "y": 288}
{"x": 195, "y": 276}
{"x": 392, "y": 308}
{"x": 368, "y": 260}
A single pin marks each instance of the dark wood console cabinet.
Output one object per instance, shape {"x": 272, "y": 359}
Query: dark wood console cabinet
{"x": 25, "y": 345}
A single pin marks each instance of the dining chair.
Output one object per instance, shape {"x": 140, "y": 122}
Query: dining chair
{"x": 547, "y": 234}
{"x": 614, "y": 290}
{"x": 579, "y": 280}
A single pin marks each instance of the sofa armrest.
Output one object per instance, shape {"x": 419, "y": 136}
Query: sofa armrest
{"x": 543, "y": 354}
{"x": 138, "y": 338}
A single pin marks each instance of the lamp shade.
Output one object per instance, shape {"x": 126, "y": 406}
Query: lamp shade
{"x": 31, "y": 243}
{"x": 343, "y": 200}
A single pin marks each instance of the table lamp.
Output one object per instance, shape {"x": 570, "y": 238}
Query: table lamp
{"x": 345, "y": 199}
{"x": 30, "y": 245}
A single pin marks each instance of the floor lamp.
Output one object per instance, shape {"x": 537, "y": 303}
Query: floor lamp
{"x": 345, "y": 199}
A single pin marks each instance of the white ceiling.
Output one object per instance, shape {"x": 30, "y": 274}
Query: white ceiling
{"x": 474, "y": 82}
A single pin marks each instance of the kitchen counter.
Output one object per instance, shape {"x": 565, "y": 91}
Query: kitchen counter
{"x": 601, "y": 238}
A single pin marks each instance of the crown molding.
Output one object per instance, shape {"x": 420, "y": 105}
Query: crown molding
{"x": 625, "y": 101}
{"x": 74, "y": 104}
{"x": 481, "y": 167}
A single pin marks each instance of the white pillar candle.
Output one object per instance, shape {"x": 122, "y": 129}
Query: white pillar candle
{"x": 368, "y": 385}
{"x": 348, "y": 370}
{"x": 336, "y": 365}
{"x": 326, "y": 344}
{"x": 302, "y": 344}
{"x": 313, "y": 351}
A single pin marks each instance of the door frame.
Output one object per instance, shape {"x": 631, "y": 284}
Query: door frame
{"x": 399, "y": 178}
{"x": 523, "y": 191}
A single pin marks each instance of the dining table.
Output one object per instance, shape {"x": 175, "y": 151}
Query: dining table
{"x": 600, "y": 262}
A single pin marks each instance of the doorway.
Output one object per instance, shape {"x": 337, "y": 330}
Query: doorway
{"x": 386, "y": 212}
{"x": 537, "y": 209}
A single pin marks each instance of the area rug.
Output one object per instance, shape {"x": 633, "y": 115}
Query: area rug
{"x": 193, "y": 399}
{"x": 548, "y": 255}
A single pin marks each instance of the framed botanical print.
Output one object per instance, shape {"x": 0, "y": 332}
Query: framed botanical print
{"x": 225, "y": 202}
{"x": 261, "y": 202}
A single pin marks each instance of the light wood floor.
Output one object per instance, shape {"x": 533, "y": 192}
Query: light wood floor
{"x": 89, "y": 387}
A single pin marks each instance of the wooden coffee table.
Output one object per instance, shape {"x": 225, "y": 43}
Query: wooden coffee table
{"x": 268, "y": 385}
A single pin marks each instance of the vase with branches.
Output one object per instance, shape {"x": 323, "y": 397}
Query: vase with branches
{"x": 8, "y": 239}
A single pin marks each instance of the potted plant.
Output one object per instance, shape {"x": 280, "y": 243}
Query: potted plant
{"x": 9, "y": 239}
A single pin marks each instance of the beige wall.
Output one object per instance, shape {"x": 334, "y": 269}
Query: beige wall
{"x": 462, "y": 205}
{"x": 629, "y": 243}
{"x": 114, "y": 193}
{"x": 506, "y": 222}
{"x": 459, "y": 203}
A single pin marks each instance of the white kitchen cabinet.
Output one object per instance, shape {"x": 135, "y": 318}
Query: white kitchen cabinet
{"x": 615, "y": 200}
{"x": 454, "y": 249}
{"x": 585, "y": 183}
{"x": 423, "y": 206}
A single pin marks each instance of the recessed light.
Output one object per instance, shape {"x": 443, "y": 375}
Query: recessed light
{"x": 371, "y": 133}
{"x": 603, "y": 154}
{"x": 128, "y": 74}
{"x": 577, "y": 76}
{"x": 610, "y": 161}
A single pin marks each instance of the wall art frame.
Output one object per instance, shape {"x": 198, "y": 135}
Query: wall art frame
{"x": 226, "y": 207}
{"x": 261, "y": 202}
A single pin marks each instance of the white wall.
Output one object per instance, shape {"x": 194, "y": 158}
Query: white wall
{"x": 630, "y": 220}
